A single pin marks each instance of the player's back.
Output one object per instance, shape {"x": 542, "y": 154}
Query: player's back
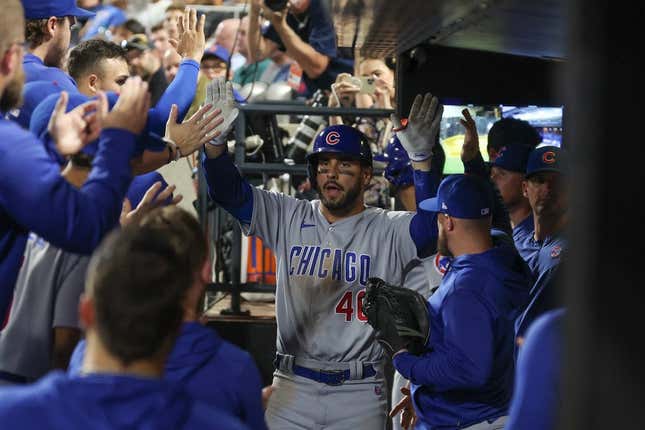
{"x": 106, "y": 401}
{"x": 322, "y": 270}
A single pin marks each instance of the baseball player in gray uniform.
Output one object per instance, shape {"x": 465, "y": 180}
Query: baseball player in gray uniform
{"x": 329, "y": 369}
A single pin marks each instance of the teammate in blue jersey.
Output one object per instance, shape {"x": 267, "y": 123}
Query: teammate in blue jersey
{"x": 329, "y": 368}
{"x": 465, "y": 375}
{"x": 127, "y": 343}
{"x": 538, "y": 386}
{"x": 546, "y": 187}
{"x": 48, "y": 33}
{"x": 42, "y": 201}
{"x": 209, "y": 368}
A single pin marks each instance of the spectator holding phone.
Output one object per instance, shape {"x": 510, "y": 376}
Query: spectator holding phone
{"x": 373, "y": 88}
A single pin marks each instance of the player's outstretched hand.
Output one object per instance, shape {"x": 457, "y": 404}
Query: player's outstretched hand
{"x": 406, "y": 409}
{"x": 194, "y": 132}
{"x": 419, "y": 132}
{"x": 152, "y": 199}
{"x": 73, "y": 130}
{"x": 192, "y": 40}
{"x": 131, "y": 109}
{"x": 470, "y": 148}
{"x": 219, "y": 94}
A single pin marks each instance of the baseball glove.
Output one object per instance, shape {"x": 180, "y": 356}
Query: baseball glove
{"x": 399, "y": 316}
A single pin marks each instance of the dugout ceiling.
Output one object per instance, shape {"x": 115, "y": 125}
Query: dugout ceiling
{"x": 467, "y": 52}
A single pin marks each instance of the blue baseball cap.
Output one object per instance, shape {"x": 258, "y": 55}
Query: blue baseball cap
{"x": 217, "y": 51}
{"x": 461, "y": 196}
{"x": 513, "y": 157}
{"x": 40, "y": 9}
{"x": 547, "y": 159}
{"x": 140, "y": 185}
{"x": 32, "y": 94}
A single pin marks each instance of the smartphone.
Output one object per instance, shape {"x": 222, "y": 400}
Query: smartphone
{"x": 367, "y": 84}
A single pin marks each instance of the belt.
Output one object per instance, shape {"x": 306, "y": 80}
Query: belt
{"x": 329, "y": 377}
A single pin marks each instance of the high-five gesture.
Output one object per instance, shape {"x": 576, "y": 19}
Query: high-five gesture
{"x": 194, "y": 132}
{"x": 470, "y": 148}
{"x": 420, "y": 133}
{"x": 219, "y": 94}
{"x": 192, "y": 40}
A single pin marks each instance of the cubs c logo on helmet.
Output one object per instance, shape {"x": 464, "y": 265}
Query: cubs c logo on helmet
{"x": 548, "y": 157}
{"x": 332, "y": 138}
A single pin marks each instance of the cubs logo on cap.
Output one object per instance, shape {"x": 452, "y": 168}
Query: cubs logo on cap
{"x": 547, "y": 159}
{"x": 332, "y": 138}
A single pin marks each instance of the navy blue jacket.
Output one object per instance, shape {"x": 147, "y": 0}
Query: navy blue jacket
{"x": 465, "y": 376}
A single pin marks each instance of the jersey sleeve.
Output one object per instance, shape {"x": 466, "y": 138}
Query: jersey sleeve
{"x": 464, "y": 357}
{"x": 70, "y": 286}
{"x": 181, "y": 92}
{"x": 36, "y": 196}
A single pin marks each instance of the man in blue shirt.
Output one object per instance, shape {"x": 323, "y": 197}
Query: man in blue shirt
{"x": 210, "y": 369}
{"x": 48, "y": 32}
{"x": 41, "y": 200}
{"x": 306, "y": 33}
{"x": 127, "y": 343}
{"x": 546, "y": 188}
{"x": 464, "y": 377}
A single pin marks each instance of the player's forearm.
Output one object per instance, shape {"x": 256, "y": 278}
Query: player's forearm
{"x": 423, "y": 227}
{"x": 181, "y": 92}
{"x": 226, "y": 186}
{"x": 313, "y": 63}
{"x": 71, "y": 219}
{"x": 476, "y": 166}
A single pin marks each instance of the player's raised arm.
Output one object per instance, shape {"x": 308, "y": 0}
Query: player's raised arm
{"x": 418, "y": 135}
{"x": 225, "y": 184}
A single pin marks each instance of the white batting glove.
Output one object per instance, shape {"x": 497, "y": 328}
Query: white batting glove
{"x": 219, "y": 93}
{"x": 420, "y": 132}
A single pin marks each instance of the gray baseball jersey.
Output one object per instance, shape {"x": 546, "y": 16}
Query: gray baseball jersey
{"x": 322, "y": 270}
{"x": 47, "y": 291}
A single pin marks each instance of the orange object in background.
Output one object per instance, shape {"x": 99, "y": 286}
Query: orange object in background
{"x": 260, "y": 264}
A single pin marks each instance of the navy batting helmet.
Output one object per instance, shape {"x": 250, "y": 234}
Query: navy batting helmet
{"x": 339, "y": 139}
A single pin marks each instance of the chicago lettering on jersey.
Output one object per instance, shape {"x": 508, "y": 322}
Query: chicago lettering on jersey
{"x": 321, "y": 263}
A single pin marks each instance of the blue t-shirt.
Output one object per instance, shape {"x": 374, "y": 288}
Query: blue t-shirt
{"x": 35, "y": 70}
{"x": 201, "y": 360}
{"x": 106, "y": 16}
{"x": 317, "y": 29}
{"x": 106, "y": 401}
{"x": 537, "y": 391}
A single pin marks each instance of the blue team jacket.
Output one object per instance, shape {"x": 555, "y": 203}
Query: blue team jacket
{"x": 106, "y": 401}
{"x": 211, "y": 370}
{"x": 35, "y": 197}
{"x": 465, "y": 376}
